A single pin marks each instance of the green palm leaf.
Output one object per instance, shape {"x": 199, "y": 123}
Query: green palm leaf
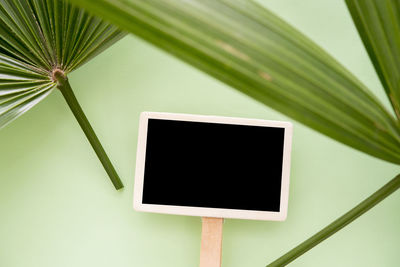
{"x": 257, "y": 53}
{"x": 38, "y": 38}
{"x": 249, "y": 48}
{"x": 378, "y": 22}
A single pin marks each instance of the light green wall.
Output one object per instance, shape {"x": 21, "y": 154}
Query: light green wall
{"x": 58, "y": 208}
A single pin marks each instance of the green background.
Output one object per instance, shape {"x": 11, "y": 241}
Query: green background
{"x": 58, "y": 207}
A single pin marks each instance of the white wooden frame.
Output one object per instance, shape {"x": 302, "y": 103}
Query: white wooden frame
{"x": 211, "y": 212}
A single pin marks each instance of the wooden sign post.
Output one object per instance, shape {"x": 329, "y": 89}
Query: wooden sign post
{"x": 211, "y": 242}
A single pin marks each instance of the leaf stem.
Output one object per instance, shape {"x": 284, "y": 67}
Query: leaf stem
{"x": 66, "y": 90}
{"x": 339, "y": 223}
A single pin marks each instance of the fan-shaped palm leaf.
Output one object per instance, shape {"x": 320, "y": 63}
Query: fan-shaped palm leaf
{"x": 41, "y": 41}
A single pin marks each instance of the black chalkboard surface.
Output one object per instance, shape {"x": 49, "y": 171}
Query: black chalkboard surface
{"x": 212, "y": 164}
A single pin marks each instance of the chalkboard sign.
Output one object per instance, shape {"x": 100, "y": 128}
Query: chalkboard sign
{"x": 212, "y": 166}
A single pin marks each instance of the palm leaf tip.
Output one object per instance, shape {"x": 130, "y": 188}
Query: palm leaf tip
{"x": 38, "y": 40}
{"x": 378, "y": 24}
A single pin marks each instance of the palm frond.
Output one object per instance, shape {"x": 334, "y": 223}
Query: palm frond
{"x": 251, "y": 49}
{"x": 38, "y": 37}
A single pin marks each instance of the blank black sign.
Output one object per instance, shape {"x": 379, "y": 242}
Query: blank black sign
{"x": 213, "y": 165}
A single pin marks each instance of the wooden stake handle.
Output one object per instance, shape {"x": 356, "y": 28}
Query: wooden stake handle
{"x": 211, "y": 242}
